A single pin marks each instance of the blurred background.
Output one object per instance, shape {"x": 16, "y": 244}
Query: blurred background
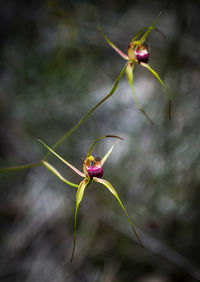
{"x": 55, "y": 66}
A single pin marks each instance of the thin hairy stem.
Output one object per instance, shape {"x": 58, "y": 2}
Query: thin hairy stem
{"x": 20, "y": 167}
{"x": 88, "y": 114}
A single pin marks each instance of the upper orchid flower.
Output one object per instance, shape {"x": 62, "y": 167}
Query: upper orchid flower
{"x": 138, "y": 53}
{"x": 92, "y": 170}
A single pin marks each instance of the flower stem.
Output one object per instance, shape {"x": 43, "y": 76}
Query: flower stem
{"x": 13, "y": 168}
{"x": 88, "y": 114}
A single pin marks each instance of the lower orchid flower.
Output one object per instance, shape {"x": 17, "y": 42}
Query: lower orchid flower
{"x": 138, "y": 53}
{"x": 92, "y": 171}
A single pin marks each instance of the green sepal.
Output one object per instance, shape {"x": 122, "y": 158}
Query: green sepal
{"x": 162, "y": 83}
{"x": 103, "y": 160}
{"x": 137, "y": 34}
{"x": 112, "y": 44}
{"x": 100, "y": 138}
{"x": 54, "y": 171}
{"x": 112, "y": 190}
{"x": 63, "y": 160}
{"x": 129, "y": 74}
{"x": 149, "y": 29}
{"x": 79, "y": 196}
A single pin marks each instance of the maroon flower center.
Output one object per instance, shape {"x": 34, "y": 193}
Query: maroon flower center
{"x": 95, "y": 171}
{"x": 142, "y": 55}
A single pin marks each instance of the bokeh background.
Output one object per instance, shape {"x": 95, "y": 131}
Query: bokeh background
{"x": 55, "y": 66}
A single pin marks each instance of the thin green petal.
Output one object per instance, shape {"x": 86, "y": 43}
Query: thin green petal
{"x": 79, "y": 197}
{"x": 109, "y": 152}
{"x": 139, "y": 32}
{"x": 162, "y": 83}
{"x": 129, "y": 74}
{"x": 52, "y": 169}
{"x": 20, "y": 167}
{"x": 112, "y": 190}
{"x": 98, "y": 139}
{"x": 64, "y": 161}
{"x": 112, "y": 44}
{"x": 150, "y": 28}
{"x": 138, "y": 42}
{"x": 88, "y": 113}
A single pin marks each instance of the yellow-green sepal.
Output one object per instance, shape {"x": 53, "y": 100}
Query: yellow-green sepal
{"x": 79, "y": 196}
{"x": 149, "y": 29}
{"x": 129, "y": 74}
{"x": 103, "y": 160}
{"x": 133, "y": 40}
{"x": 54, "y": 171}
{"x": 63, "y": 160}
{"x": 112, "y": 44}
{"x": 162, "y": 83}
{"x": 100, "y": 138}
{"x": 113, "y": 191}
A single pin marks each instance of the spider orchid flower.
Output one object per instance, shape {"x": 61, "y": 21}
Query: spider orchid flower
{"x": 138, "y": 53}
{"x": 92, "y": 171}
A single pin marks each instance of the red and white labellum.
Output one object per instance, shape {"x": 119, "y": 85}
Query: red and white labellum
{"x": 142, "y": 54}
{"x": 95, "y": 171}
{"x": 93, "y": 167}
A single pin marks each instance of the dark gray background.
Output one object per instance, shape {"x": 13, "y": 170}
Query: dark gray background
{"x": 55, "y": 66}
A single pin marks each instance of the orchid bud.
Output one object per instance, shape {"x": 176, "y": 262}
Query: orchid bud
{"x": 142, "y": 54}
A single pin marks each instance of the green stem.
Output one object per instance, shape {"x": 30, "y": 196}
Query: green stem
{"x": 13, "y": 168}
{"x": 88, "y": 114}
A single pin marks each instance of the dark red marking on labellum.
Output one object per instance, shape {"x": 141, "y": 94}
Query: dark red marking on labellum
{"x": 142, "y": 54}
{"x": 95, "y": 171}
